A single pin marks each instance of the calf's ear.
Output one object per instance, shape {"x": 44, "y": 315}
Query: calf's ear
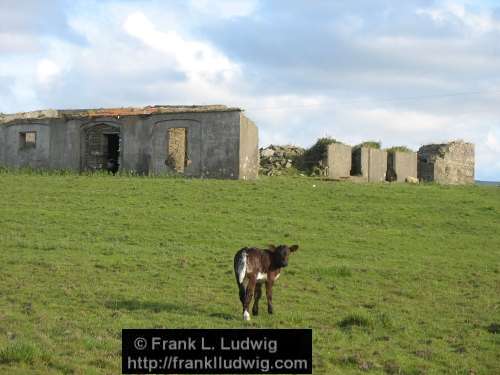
{"x": 294, "y": 248}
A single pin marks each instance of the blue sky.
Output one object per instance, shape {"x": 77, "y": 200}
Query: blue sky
{"x": 405, "y": 73}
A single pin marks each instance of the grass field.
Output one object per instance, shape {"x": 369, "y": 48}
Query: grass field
{"x": 391, "y": 278}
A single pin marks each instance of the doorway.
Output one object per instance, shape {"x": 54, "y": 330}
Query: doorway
{"x": 177, "y": 158}
{"x": 101, "y": 148}
{"x": 113, "y": 152}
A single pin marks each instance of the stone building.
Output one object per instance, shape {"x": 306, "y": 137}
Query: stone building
{"x": 199, "y": 141}
{"x": 450, "y": 163}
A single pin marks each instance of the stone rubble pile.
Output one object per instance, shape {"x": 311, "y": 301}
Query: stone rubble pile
{"x": 276, "y": 160}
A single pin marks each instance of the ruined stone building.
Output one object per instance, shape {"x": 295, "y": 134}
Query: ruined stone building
{"x": 401, "y": 165}
{"x": 449, "y": 163}
{"x": 198, "y": 141}
{"x": 363, "y": 164}
{"x": 369, "y": 163}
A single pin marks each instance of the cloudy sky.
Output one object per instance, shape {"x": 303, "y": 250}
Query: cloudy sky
{"x": 402, "y": 72}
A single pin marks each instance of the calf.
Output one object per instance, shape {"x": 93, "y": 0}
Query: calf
{"x": 254, "y": 267}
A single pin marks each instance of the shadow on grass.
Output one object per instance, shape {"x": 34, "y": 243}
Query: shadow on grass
{"x": 222, "y": 316}
{"x": 157, "y": 307}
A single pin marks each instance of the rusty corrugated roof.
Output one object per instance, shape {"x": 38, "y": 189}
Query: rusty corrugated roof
{"x": 113, "y": 112}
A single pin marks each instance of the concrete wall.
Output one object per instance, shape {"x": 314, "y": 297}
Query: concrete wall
{"x": 249, "y": 149}
{"x": 212, "y": 143}
{"x": 136, "y": 149}
{"x": 369, "y": 164}
{"x": 57, "y": 145}
{"x": 218, "y": 144}
{"x": 339, "y": 161}
{"x": 451, "y": 163}
{"x": 34, "y": 157}
{"x": 360, "y": 162}
{"x": 160, "y": 140}
{"x": 2, "y": 145}
{"x": 221, "y": 145}
{"x": 377, "y": 165}
{"x": 65, "y": 145}
{"x": 401, "y": 165}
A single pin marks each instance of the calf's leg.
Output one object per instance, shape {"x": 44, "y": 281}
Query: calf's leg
{"x": 241, "y": 290}
{"x": 248, "y": 297}
{"x": 258, "y": 293}
{"x": 269, "y": 295}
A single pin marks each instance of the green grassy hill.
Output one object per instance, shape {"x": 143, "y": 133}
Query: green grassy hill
{"x": 391, "y": 278}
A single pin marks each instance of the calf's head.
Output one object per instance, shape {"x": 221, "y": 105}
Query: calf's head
{"x": 281, "y": 254}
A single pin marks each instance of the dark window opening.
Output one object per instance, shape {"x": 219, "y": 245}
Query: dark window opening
{"x": 112, "y": 152}
{"x": 27, "y": 140}
{"x": 177, "y": 157}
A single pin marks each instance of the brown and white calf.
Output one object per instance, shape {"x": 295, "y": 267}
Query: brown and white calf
{"x": 254, "y": 267}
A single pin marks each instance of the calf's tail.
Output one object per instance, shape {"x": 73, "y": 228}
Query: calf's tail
{"x": 240, "y": 269}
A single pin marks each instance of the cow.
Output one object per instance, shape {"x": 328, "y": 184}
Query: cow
{"x": 254, "y": 267}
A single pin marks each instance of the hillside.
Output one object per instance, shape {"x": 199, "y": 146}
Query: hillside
{"x": 391, "y": 278}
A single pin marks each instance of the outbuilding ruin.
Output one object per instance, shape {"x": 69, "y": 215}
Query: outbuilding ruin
{"x": 369, "y": 163}
{"x": 359, "y": 163}
{"x": 401, "y": 166}
{"x": 451, "y": 163}
{"x": 199, "y": 141}
{"x": 448, "y": 163}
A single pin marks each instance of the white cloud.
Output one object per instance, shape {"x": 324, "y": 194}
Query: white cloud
{"x": 199, "y": 60}
{"x": 47, "y": 71}
{"x": 487, "y": 154}
{"x": 477, "y": 20}
{"x": 493, "y": 140}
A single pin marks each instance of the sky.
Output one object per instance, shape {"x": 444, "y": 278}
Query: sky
{"x": 406, "y": 73}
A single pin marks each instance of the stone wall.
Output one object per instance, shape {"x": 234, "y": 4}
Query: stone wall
{"x": 177, "y": 142}
{"x": 450, "y": 163}
{"x": 277, "y": 160}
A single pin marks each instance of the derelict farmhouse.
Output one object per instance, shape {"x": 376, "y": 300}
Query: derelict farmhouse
{"x": 197, "y": 141}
